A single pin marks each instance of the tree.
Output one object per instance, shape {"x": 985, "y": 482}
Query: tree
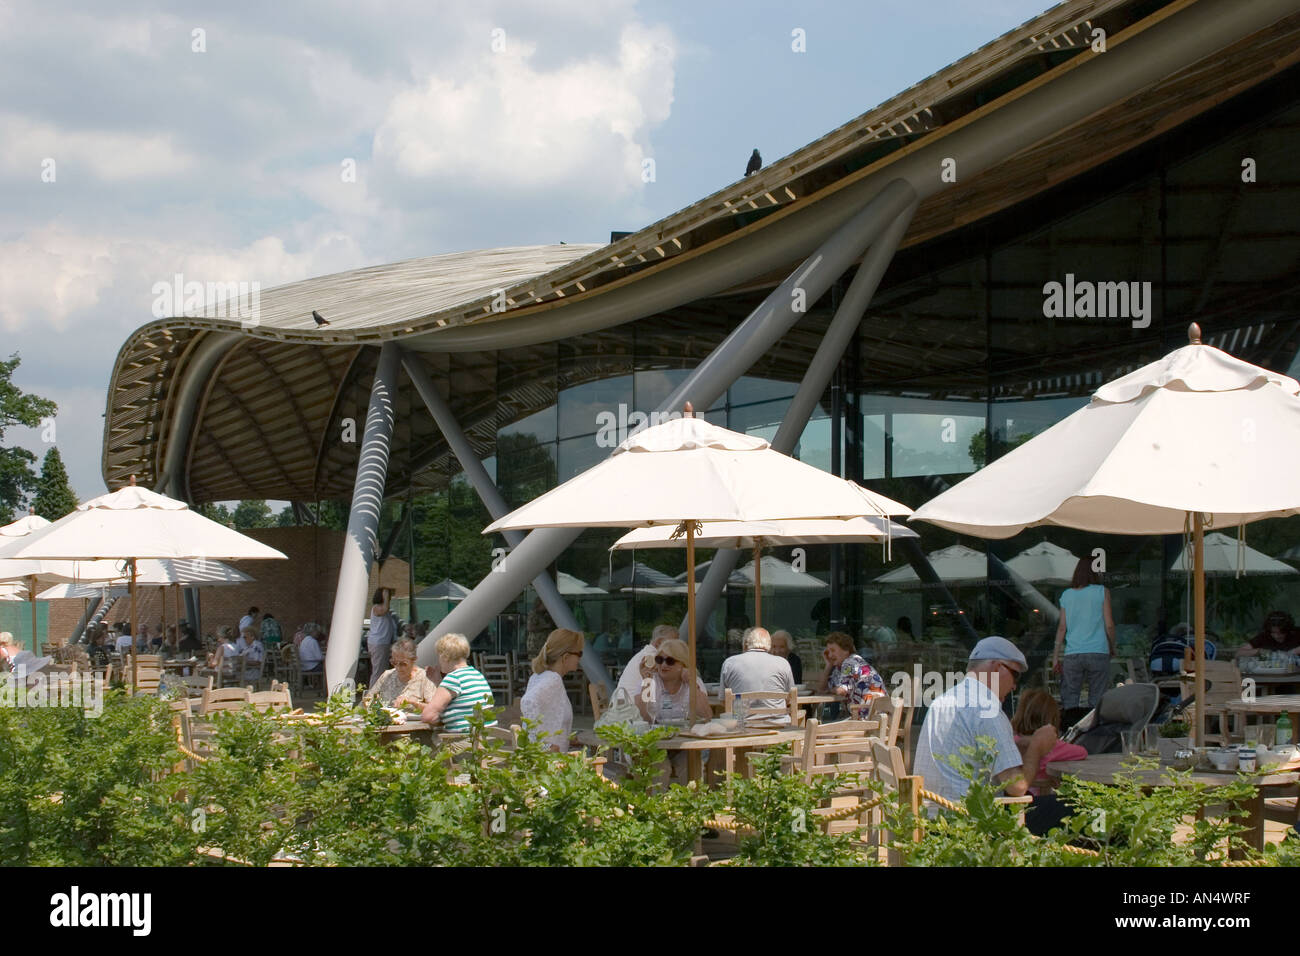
{"x": 17, "y": 478}
{"x": 54, "y": 496}
{"x": 286, "y": 518}
{"x": 253, "y": 513}
{"x": 215, "y": 512}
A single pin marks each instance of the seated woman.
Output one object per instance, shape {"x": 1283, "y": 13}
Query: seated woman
{"x": 545, "y": 700}
{"x": 848, "y": 676}
{"x": 782, "y": 646}
{"x": 667, "y": 700}
{"x": 1038, "y": 708}
{"x": 310, "y": 654}
{"x": 1279, "y": 633}
{"x": 225, "y": 651}
{"x": 462, "y": 689}
{"x": 403, "y": 684}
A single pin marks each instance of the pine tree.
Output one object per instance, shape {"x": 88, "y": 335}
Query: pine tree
{"x": 253, "y": 513}
{"x": 54, "y": 496}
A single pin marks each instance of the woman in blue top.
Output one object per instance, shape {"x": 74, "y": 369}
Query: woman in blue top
{"x": 1087, "y": 630}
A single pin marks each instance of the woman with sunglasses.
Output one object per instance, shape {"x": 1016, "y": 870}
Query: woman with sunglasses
{"x": 668, "y": 699}
{"x": 545, "y": 701}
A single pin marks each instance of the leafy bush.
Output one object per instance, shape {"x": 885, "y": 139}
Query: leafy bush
{"x": 778, "y": 808}
{"x": 76, "y": 790}
{"x": 91, "y": 791}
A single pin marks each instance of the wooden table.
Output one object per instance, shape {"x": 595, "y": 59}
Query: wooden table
{"x": 1103, "y": 768}
{"x": 1272, "y": 704}
{"x": 178, "y": 665}
{"x": 723, "y": 751}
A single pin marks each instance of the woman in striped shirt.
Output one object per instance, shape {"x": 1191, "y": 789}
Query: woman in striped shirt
{"x": 462, "y": 689}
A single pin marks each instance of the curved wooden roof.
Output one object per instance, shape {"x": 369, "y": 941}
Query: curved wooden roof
{"x": 272, "y": 406}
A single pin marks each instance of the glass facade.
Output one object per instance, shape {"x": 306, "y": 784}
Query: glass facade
{"x": 963, "y": 356}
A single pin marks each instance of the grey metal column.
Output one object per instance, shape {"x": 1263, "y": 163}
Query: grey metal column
{"x": 824, "y": 362}
{"x": 496, "y": 505}
{"x": 362, "y": 542}
{"x": 732, "y": 358}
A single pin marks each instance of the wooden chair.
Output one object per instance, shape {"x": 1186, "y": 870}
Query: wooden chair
{"x": 574, "y": 685}
{"x": 889, "y": 711}
{"x": 498, "y": 671}
{"x": 1223, "y": 686}
{"x": 146, "y": 679}
{"x": 892, "y": 775}
{"x": 290, "y": 667}
{"x": 839, "y": 749}
{"x": 789, "y": 709}
{"x": 599, "y": 699}
{"x": 277, "y": 698}
{"x": 226, "y": 698}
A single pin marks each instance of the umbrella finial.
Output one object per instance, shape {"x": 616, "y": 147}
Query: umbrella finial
{"x": 688, "y": 410}
{"x": 1194, "y": 334}
{"x": 133, "y": 481}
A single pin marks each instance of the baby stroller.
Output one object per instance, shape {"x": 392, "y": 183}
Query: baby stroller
{"x": 1127, "y": 708}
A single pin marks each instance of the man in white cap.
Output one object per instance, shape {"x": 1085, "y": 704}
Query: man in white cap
{"x": 971, "y": 710}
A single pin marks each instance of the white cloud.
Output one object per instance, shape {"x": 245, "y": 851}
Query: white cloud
{"x": 503, "y": 123}
{"x": 51, "y": 275}
{"x": 110, "y": 157}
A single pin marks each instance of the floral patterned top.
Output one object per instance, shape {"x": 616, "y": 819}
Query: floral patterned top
{"x": 862, "y": 680}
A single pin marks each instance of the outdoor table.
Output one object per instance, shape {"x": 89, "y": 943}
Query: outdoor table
{"x": 1266, "y": 683}
{"x": 180, "y": 664}
{"x": 1103, "y": 768}
{"x": 1272, "y": 704}
{"x": 723, "y": 751}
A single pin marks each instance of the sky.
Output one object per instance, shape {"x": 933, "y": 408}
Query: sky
{"x": 271, "y": 142}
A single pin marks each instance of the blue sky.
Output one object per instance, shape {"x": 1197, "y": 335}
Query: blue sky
{"x": 226, "y": 163}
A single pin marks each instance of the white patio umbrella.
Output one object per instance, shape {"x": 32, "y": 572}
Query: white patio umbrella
{"x": 573, "y": 586}
{"x": 955, "y": 565}
{"x": 175, "y": 573}
{"x": 1224, "y": 556}
{"x": 1045, "y": 563}
{"x": 640, "y": 577}
{"x": 1197, "y": 438}
{"x": 686, "y": 471}
{"x": 134, "y": 523}
{"x": 33, "y": 573}
{"x": 757, "y": 535}
{"x": 444, "y": 590}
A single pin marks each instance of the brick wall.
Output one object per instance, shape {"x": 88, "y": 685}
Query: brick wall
{"x": 297, "y": 590}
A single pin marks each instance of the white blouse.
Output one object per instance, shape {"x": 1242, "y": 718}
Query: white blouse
{"x": 546, "y": 702}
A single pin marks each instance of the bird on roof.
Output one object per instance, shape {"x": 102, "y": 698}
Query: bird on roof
{"x": 755, "y": 162}
{"x": 320, "y": 319}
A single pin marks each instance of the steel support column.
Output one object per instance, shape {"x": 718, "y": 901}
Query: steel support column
{"x": 824, "y": 362}
{"x": 361, "y": 543}
{"x": 754, "y": 337}
{"x": 496, "y": 505}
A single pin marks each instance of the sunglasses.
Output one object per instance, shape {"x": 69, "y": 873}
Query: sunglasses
{"x": 667, "y": 660}
{"x": 1015, "y": 676}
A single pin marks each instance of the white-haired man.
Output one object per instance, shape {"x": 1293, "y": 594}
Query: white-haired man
{"x": 642, "y": 665}
{"x": 756, "y": 668}
{"x": 972, "y": 710}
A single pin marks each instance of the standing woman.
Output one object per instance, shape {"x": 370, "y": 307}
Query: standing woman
{"x": 380, "y": 641}
{"x": 545, "y": 699}
{"x": 1087, "y": 630}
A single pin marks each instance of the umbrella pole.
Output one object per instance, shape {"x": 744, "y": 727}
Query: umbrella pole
{"x": 1198, "y": 559}
{"x": 758, "y": 588}
{"x": 135, "y": 628}
{"x": 31, "y": 591}
{"x": 690, "y": 619}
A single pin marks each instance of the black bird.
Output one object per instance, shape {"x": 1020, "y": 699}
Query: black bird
{"x": 755, "y": 162}
{"x": 320, "y": 319}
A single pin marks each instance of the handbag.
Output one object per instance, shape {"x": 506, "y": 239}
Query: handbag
{"x": 621, "y": 710}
